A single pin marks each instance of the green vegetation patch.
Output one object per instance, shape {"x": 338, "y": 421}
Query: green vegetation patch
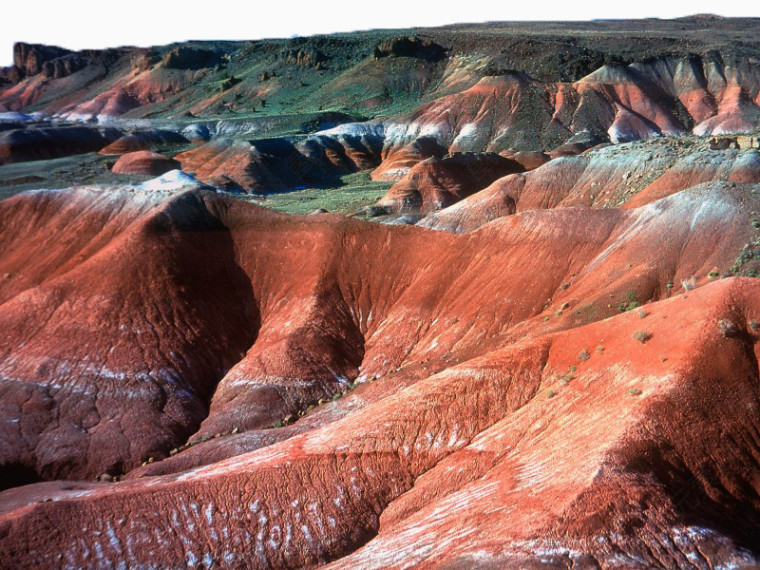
{"x": 355, "y": 191}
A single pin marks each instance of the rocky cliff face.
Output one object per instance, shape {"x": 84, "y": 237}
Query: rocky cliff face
{"x": 30, "y": 59}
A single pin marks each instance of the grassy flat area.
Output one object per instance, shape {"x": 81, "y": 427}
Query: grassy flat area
{"x": 81, "y": 169}
{"x": 357, "y": 190}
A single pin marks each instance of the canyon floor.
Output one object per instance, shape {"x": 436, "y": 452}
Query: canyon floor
{"x": 468, "y": 297}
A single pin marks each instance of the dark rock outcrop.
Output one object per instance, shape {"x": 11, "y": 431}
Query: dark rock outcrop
{"x": 189, "y": 57}
{"x": 30, "y": 59}
{"x": 415, "y": 47}
{"x": 305, "y": 57}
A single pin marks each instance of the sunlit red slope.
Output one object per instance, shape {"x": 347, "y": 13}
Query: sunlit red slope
{"x": 616, "y": 176}
{"x": 477, "y": 399}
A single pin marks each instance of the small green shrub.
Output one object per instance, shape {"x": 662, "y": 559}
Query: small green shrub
{"x": 727, "y": 328}
{"x": 642, "y": 336}
{"x": 629, "y": 303}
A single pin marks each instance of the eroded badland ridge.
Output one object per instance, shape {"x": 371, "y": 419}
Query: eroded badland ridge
{"x": 517, "y": 327}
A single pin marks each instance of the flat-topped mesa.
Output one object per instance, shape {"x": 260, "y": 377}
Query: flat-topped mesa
{"x": 619, "y": 80}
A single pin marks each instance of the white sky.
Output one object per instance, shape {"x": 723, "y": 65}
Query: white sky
{"x": 79, "y": 24}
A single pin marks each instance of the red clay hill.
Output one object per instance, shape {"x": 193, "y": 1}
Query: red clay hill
{"x": 144, "y": 162}
{"x": 624, "y": 176}
{"x": 436, "y": 183}
{"x": 388, "y": 100}
{"x": 566, "y": 376}
{"x": 298, "y": 390}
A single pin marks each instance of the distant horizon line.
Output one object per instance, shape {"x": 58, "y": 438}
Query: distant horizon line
{"x": 275, "y": 37}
